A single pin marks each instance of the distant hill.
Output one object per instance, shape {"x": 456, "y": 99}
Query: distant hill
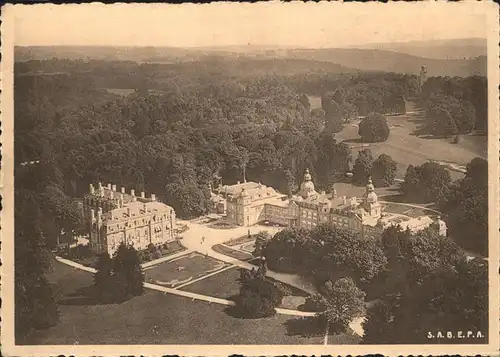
{"x": 389, "y": 61}
{"x": 345, "y": 59}
{"x": 438, "y": 49}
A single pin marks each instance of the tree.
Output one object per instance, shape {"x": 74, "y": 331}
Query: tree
{"x": 339, "y": 303}
{"x": 377, "y": 324}
{"x": 128, "y": 279}
{"x": 374, "y": 128}
{"x": 35, "y": 305}
{"x": 466, "y": 206}
{"x": 362, "y": 167}
{"x": 188, "y": 200}
{"x": 349, "y": 112}
{"x": 258, "y": 296}
{"x": 261, "y": 240}
{"x": 342, "y": 253}
{"x": 103, "y": 278}
{"x": 427, "y": 183}
{"x": 331, "y": 102}
{"x": 334, "y": 160}
{"x": 383, "y": 171}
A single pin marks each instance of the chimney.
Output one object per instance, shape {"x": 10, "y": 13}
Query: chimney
{"x": 112, "y": 194}
{"x": 123, "y": 189}
{"x": 334, "y": 193}
{"x": 143, "y": 195}
{"x": 120, "y": 200}
{"x": 132, "y": 192}
{"x": 91, "y": 189}
{"x": 113, "y": 188}
{"x": 153, "y": 197}
{"x": 101, "y": 192}
{"x": 100, "y": 185}
{"x": 238, "y": 183}
{"x": 344, "y": 200}
{"x": 322, "y": 193}
{"x": 109, "y": 186}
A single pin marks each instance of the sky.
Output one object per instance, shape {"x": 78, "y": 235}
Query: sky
{"x": 298, "y": 24}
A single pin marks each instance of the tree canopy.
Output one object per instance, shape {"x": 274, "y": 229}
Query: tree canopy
{"x": 374, "y": 128}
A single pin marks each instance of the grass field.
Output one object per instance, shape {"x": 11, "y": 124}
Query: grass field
{"x": 157, "y": 318}
{"x": 406, "y": 148}
{"x": 179, "y": 270}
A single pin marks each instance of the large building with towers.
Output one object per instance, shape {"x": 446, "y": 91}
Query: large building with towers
{"x": 249, "y": 203}
{"x": 115, "y": 216}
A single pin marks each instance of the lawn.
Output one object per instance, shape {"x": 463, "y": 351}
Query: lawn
{"x": 350, "y": 190}
{"x": 156, "y": 318}
{"x": 225, "y": 285}
{"x": 183, "y": 269}
{"x": 406, "y": 148}
{"x": 233, "y": 253}
{"x": 409, "y": 211}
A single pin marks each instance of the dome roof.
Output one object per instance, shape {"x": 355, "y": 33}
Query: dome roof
{"x": 307, "y": 186}
{"x": 371, "y": 197}
{"x": 369, "y": 186}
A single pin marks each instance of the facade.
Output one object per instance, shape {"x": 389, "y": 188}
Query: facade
{"x": 250, "y": 203}
{"x": 115, "y": 217}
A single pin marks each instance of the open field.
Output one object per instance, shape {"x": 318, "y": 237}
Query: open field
{"x": 183, "y": 269}
{"x": 156, "y": 318}
{"x": 406, "y": 148}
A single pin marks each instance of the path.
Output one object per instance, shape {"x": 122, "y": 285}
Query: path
{"x": 192, "y": 240}
{"x": 193, "y": 296}
{"x": 411, "y": 205}
{"x": 165, "y": 259}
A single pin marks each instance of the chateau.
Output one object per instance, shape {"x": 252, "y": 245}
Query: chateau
{"x": 249, "y": 203}
{"x": 115, "y": 217}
